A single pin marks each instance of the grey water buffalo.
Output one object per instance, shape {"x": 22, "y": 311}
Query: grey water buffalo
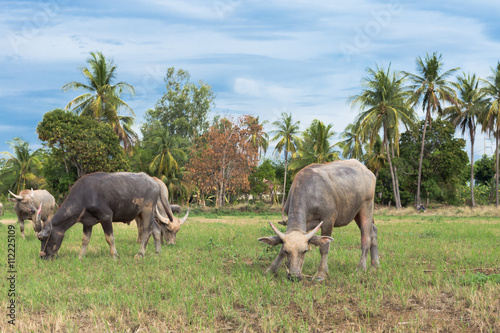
{"x": 26, "y": 204}
{"x": 169, "y": 226}
{"x": 104, "y": 198}
{"x": 326, "y": 196}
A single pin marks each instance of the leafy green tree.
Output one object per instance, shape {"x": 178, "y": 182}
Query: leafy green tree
{"x": 262, "y": 179}
{"x": 384, "y": 106}
{"x": 286, "y": 136}
{"x": 85, "y": 143}
{"x": 22, "y": 166}
{"x": 315, "y": 147}
{"x": 492, "y": 120}
{"x": 183, "y": 109}
{"x": 469, "y": 110}
{"x": 431, "y": 89}
{"x": 444, "y": 166}
{"x": 102, "y": 99}
{"x": 484, "y": 170}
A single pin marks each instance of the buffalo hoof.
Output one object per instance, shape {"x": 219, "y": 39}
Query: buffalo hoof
{"x": 139, "y": 256}
{"x": 319, "y": 279}
{"x": 294, "y": 278}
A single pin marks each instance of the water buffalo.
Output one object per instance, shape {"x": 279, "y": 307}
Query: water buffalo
{"x": 104, "y": 198}
{"x": 26, "y": 203}
{"x": 168, "y": 227}
{"x": 326, "y": 196}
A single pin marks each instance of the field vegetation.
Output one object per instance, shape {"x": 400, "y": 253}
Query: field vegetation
{"x": 440, "y": 271}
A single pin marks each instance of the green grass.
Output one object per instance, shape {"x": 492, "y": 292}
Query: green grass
{"x": 437, "y": 273}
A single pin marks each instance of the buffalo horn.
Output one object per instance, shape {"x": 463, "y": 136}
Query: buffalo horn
{"x": 18, "y": 197}
{"x": 311, "y": 233}
{"x": 162, "y": 219}
{"x": 184, "y": 219}
{"x": 279, "y": 233}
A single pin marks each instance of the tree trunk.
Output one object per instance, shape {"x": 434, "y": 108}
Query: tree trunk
{"x": 398, "y": 196}
{"x": 473, "y": 202}
{"x": 390, "y": 167}
{"x": 427, "y": 115}
{"x": 284, "y": 183}
{"x": 496, "y": 174}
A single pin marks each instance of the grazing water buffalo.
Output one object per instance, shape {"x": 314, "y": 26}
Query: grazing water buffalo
{"x": 326, "y": 196}
{"x": 168, "y": 227}
{"x": 26, "y": 204}
{"x": 104, "y": 198}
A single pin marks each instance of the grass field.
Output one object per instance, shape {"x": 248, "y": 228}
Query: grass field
{"x": 439, "y": 272}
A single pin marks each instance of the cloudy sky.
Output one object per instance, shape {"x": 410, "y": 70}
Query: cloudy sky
{"x": 260, "y": 57}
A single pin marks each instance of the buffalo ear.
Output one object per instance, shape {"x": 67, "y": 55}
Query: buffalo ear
{"x": 43, "y": 234}
{"x": 273, "y": 240}
{"x": 320, "y": 240}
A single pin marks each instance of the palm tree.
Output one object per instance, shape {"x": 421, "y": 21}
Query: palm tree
{"x": 471, "y": 107}
{"x": 492, "y": 121}
{"x": 315, "y": 146}
{"x": 167, "y": 158}
{"x": 22, "y": 163}
{"x": 256, "y": 135}
{"x": 101, "y": 100}
{"x": 286, "y": 135}
{"x": 430, "y": 89}
{"x": 352, "y": 145}
{"x": 384, "y": 105}
{"x": 375, "y": 158}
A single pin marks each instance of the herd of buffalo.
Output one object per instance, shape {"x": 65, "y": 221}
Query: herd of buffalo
{"x": 322, "y": 196}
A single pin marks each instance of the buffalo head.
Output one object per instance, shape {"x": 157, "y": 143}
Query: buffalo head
{"x": 25, "y": 207}
{"x": 50, "y": 241}
{"x": 170, "y": 228}
{"x": 295, "y": 244}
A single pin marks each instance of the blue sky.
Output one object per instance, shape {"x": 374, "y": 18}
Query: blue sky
{"x": 260, "y": 57}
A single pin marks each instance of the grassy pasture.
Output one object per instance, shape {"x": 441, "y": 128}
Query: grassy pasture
{"x": 439, "y": 272}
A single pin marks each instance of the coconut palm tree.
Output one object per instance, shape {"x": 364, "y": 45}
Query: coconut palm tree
{"x": 22, "y": 164}
{"x": 431, "y": 89}
{"x": 168, "y": 156}
{"x": 351, "y": 145}
{"x": 256, "y": 135}
{"x": 102, "y": 98}
{"x": 286, "y": 135}
{"x": 315, "y": 147}
{"x": 384, "y": 106}
{"x": 492, "y": 120}
{"x": 471, "y": 107}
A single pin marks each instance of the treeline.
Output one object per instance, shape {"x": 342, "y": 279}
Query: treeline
{"x": 217, "y": 160}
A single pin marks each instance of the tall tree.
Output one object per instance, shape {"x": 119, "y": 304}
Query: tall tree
{"x": 492, "y": 121}
{"x": 102, "y": 98}
{"x": 384, "y": 106}
{"x": 470, "y": 107}
{"x": 183, "y": 108}
{"x": 315, "y": 147}
{"x": 286, "y": 133}
{"x": 431, "y": 89}
{"x": 256, "y": 135}
{"x": 23, "y": 164}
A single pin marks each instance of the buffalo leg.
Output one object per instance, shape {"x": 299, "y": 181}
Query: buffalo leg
{"x": 364, "y": 223}
{"x": 21, "y": 226}
{"x": 147, "y": 220}
{"x": 374, "y": 247}
{"x": 323, "y": 250}
{"x": 157, "y": 237}
{"x": 110, "y": 238}
{"x": 87, "y": 232}
{"x": 276, "y": 263}
{"x": 140, "y": 227}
